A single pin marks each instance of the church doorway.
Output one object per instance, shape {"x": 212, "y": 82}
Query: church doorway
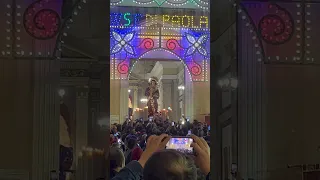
{"x": 170, "y": 76}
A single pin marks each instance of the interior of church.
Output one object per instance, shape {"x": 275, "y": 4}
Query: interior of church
{"x": 74, "y": 72}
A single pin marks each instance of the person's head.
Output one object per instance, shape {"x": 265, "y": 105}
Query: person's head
{"x": 153, "y": 83}
{"x": 117, "y": 159}
{"x": 170, "y": 164}
{"x": 131, "y": 143}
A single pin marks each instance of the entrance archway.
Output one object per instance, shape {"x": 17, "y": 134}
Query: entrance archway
{"x": 175, "y": 82}
{"x": 172, "y": 56}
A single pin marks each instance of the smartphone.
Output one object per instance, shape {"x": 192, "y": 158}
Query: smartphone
{"x": 119, "y": 141}
{"x": 150, "y": 119}
{"x": 182, "y": 144}
{"x": 189, "y": 132}
{"x": 188, "y": 119}
{"x": 172, "y": 124}
{"x": 208, "y": 128}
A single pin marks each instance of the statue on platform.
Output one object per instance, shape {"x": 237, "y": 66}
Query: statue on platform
{"x": 152, "y": 93}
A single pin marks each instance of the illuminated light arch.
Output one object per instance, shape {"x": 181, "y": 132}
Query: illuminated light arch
{"x": 202, "y": 4}
{"x": 66, "y": 24}
{"x": 256, "y": 37}
{"x": 161, "y": 49}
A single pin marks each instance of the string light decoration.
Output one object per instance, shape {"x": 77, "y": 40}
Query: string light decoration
{"x": 251, "y": 26}
{"x": 277, "y": 27}
{"x": 66, "y": 25}
{"x": 163, "y": 50}
{"x": 308, "y": 29}
{"x": 122, "y": 43}
{"x": 174, "y": 21}
{"x": 141, "y": 45}
{"x": 202, "y": 4}
{"x": 41, "y": 23}
{"x": 6, "y": 51}
{"x": 18, "y": 26}
{"x": 196, "y": 69}
{"x": 172, "y": 44}
{"x": 164, "y": 36}
{"x": 196, "y": 44}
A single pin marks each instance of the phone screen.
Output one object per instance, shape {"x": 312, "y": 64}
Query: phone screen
{"x": 189, "y": 132}
{"x": 172, "y": 123}
{"x": 208, "y": 128}
{"x": 181, "y": 144}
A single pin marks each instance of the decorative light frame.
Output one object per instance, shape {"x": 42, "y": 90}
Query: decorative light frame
{"x": 121, "y": 62}
{"x": 202, "y": 4}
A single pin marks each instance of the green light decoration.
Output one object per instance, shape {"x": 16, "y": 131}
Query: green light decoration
{"x": 200, "y": 3}
{"x": 127, "y": 19}
{"x": 160, "y": 2}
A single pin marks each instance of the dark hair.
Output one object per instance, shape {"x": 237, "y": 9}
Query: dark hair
{"x": 132, "y": 142}
{"x": 117, "y": 158}
{"x": 170, "y": 165}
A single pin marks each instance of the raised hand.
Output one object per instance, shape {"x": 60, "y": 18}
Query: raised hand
{"x": 154, "y": 144}
{"x": 202, "y": 157}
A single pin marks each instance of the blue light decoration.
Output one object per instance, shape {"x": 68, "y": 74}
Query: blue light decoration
{"x": 122, "y": 43}
{"x": 132, "y": 39}
{"x": 196, "y": 44}
{"x": 125, "y": 19}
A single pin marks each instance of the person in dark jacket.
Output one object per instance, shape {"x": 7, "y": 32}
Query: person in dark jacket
{"x": 134, "y": 151}
{"x": 156, "y": 163}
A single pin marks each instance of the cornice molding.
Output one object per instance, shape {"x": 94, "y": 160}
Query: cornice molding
{"x": 74, "y": 81}
{"x": 14, "y": 174}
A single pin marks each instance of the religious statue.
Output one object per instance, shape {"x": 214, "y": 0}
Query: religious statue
{"x": 152, "y": 93}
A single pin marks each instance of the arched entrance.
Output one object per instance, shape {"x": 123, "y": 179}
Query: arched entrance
{"x": 175, "y": 84}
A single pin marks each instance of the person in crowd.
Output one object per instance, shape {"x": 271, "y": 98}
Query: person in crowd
{"x": 117, "y": 160}
{"x": 112, "y": 139}
{"x": 156, "y": 163}
{"x": 134, "y": 151}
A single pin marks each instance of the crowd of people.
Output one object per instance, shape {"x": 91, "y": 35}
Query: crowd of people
{"x": 138, "y": 150}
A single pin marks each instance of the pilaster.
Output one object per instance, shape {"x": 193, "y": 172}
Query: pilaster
{"x": 81, "y": 117}
{"x": 124, "y": 100}
{"x": 45, "y": 153}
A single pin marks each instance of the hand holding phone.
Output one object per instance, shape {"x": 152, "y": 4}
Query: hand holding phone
{"x": 181, "y": 143}
{"x": 202, "y": 154}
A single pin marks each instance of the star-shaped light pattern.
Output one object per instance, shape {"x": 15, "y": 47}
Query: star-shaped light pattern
{"x": 196, "y": 45}
{"x": 122, "y": 43}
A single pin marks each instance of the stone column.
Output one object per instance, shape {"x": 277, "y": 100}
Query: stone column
{"x": 45, "y": 153}
{"x": 124, "y": 100}
{"x": 135, "y": 102}
{"x": 175, "y": 102}
{"x": 135, "y": 98}
{"x": 251, "y": 103}
{"x": 188, "y": 96}
{"x": 115, "y": 86}
{"x": 81, "y": 118}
